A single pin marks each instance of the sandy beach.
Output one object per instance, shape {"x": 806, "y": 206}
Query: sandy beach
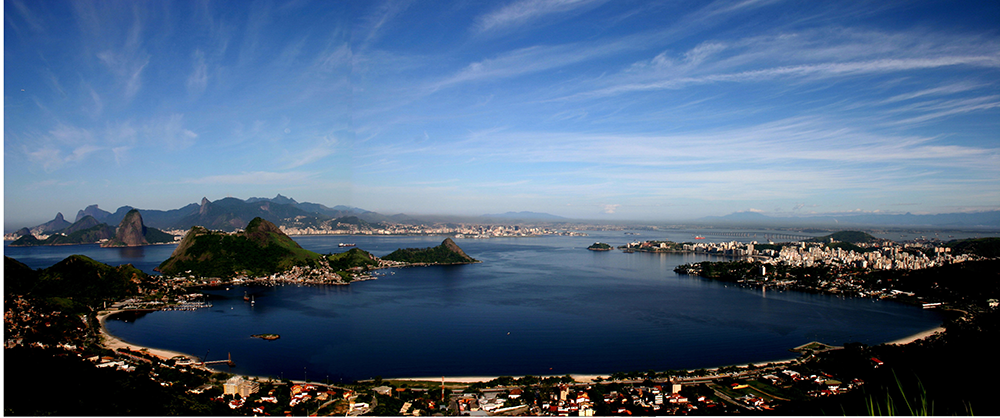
{"x": 581, "y": 378}
{"x": 917, "y": 336}
{"x": 111, "y": 342}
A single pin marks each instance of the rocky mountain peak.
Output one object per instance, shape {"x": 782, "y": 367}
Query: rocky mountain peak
{"x": 204, "y": 206}
{"x": 94, "y": 211}
{"x": 449, "y": 244}
{"x": 131, "y": 232}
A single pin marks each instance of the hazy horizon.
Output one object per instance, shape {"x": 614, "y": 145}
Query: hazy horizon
{"x": 585, "y": 109}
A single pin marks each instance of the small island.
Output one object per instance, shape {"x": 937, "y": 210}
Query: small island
{"x": 600, "y": 246}
{"x": 268, "y": 337}
{"x": 446, "y": 253}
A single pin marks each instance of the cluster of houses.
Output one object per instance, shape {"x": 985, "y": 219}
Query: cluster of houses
{"x": 24, "y": 324}
{"x": 459, "y": 231}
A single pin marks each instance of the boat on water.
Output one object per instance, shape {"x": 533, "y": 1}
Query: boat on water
{"x": 345, "y": 244}
{"x": 246, "y": 297}
{"x": 266, "y": 336}
{"x": 699, "y": 237}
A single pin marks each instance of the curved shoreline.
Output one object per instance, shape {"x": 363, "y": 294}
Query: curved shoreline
{"x": 918, "y": 336}
{"x": 589, "y": 378}
{"x": 114, "y": 343}
{"x": 111, "y": 342}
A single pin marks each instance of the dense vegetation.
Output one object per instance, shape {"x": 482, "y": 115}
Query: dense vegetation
{"x": 262, "y": 249}
{"x": 446, "y": 253}
{"x": 355, "y": 257}
{"x": 87, "y": 390}
{"x": 938, "y": 376}
{"x": 986, "y": 247}
{"x": 853, "y": 237}
{"x": 77, "y": 278}
{"x": 600, "y": 246}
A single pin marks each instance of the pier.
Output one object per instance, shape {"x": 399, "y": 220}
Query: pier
{"x": 229, "y": 361}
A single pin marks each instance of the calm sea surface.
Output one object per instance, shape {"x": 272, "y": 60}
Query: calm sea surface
{"x": 535, "y": 306}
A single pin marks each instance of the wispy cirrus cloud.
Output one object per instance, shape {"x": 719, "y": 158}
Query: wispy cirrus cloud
{"x": 198, "y": 79}
{"x": 805, "y": 55}
{"x": 678, "y": 80}
{"x": 372, "y": 24}
{"x": 805, "y": 141}
{"x": 539, "y": 58}
{"x": 169, "y": 132}
{"x": 522, "y": 12}
{"x": 51, "y": 158}
{"x": 324, "y": 147}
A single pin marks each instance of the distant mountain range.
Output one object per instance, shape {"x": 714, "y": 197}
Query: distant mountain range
{"x": 228, "y": 214}
{"x": 990, "y": 219}
{"x": 131, "y": 232}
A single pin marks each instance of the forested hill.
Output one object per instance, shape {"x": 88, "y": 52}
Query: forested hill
{"x": 77, "y": 278}
{"x": 986, "y": 247}
{"x": 260, "y": 250}
{"x": 853, "y": 237}
{"x": 446, "y": 253}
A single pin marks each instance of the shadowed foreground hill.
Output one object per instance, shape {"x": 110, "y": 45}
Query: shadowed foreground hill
{"x": 260, "y": 250}
{"x": 446, "y": 253}
{"x": 77, "y": 277}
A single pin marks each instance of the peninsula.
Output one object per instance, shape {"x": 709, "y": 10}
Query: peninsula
{"x": 263, "y": 253}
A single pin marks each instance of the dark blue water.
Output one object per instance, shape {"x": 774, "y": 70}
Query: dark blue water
{"x": 145, "y": 258}
{"x": 534, "y": 306}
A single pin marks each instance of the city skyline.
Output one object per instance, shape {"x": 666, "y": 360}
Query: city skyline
{"x": 585, "y": 109}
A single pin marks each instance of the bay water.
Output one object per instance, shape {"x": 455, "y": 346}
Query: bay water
{"x": 538, "y": 305}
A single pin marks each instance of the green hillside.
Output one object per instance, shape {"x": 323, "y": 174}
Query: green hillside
{"x": 77, "y": 277}
{"x": 852, "y": 237}
{"x": 355, "y": 257}
{"x": 986, "y": 247}
{"x": 446, "y": 253}
{"x": 259, "y": 250}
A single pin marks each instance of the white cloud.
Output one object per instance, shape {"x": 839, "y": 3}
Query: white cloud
{"x": 326, "y": 146}
{"x": 170, "y": 132}
{"x": 386, "y": 12}
{"x": 522, "y": 12}
{"x": 198, "y": 79}
{"x": 51, "y": 158}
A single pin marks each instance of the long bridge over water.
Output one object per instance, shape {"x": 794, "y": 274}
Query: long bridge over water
{"x": 767, "y": 236}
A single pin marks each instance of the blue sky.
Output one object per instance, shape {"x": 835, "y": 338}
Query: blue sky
{"x": 618, "y": 110}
